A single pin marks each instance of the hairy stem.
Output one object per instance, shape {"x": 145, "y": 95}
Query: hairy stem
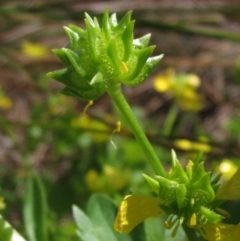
{"x": 119, "y": 100}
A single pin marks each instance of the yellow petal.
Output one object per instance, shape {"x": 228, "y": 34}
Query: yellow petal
{"x": 231, "y": 190}
{"x": 134, "y": 209}
{"x": 221, "y": 232}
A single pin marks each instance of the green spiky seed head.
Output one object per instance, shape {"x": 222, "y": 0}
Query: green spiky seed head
{"x": 102, "y": 56}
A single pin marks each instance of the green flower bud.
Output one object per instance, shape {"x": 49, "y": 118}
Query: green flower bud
{"x": 103, "y": 56}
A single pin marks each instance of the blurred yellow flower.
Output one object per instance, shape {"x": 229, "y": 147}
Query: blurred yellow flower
{"x": 188, "y": 145}
{"x": 34, "y": 50}
{"x": 182, "y": 86}
{"x": 227, "y": 168}
{"x": 2, "y": 203}
{"x": 5, "y": 102}
{"x": 231, "y": 189}
{"x": 108, "y": 181}
{"x": 99, "y": 131}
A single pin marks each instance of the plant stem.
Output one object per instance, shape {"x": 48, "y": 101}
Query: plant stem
{"x": 170, "y": 120}
{"x": 119, "y": 100}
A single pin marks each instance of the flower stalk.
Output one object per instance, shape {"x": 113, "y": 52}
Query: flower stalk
{"x": 119, "y": 100}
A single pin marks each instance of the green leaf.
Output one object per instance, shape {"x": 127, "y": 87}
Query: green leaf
{"x": 7, "y": 233}
{"x": 35, "y": 209}
{"x": 102, "y": 212}
{"x": 97, "y": 223}
{"x": 86, "y": 230}
{"x": 155, "y": 230}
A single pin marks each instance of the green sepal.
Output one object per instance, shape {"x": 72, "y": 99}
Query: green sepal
{"x": 152, "y": 183}
{"x": 198, "y": 159}
{"x": 72, "y": 36}
{"x": 167, "y": 189}
{"x": 106, "y": 25}
{"x": 177, "y": 173}
{"x": 75, "y": 86}
{"x": 97, "y": 23}
{"x": 89, "y": 22}
{"x": 142, "y": 42}
{"x": 198, "y": 172}
{"x": 181, "y": 195}
{"x": 69, "y": 77}
{"x": 75, "y": 60}
{"x": 83, "y": 95}
{"x": 113, "y": 20}
{"x": 127, "y": 39}
{"x": 142, "y": 56}
{"x": 81, "y": 32}
{"x": 146, "y": 70}
{"x": 123, "y": 22}
{"x": 210, "y": 216}
{"x": 113, "y": 55}
{"x": 92, "y": 37}
{"x": 203, "y": 190}
{"x": 62, "y": 56}
{"x": 97, "y": 78}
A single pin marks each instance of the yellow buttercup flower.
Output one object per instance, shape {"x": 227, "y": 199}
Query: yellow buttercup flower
{"x": 183, "y": 87}
{"x": 5, "y": 102}
{"x": 188, "y": 145}
{"x": 109, "y": 180}
{"x": 99, "y": 130}
{"x": 34, "y": 50}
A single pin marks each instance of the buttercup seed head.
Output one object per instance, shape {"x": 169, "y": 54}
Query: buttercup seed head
{"x": 103, "y": 55}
